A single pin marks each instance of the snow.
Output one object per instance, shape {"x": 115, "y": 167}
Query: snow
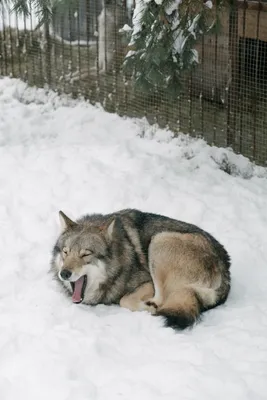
{"x": 180, "y": 36}
{"x": 57, "y": 153}
{"x": 172, "y": 6}
{"x": 138, "y": 14}
{"x": 209, "y": 4}
{"x": 126, "y": 28}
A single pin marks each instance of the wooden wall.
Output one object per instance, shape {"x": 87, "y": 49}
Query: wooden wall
{"x": 212, "y": 77}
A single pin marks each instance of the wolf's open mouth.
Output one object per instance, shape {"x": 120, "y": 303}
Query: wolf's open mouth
{"x": 78, "y": 289}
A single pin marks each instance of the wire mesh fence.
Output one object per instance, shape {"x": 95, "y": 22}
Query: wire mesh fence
{"x": 81, "y": 52}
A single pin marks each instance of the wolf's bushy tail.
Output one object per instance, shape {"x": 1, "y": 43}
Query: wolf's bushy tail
{"x": 182, "y": 309}
{"x": 178, "y": 320}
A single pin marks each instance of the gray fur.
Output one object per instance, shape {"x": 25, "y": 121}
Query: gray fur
{"x": 120, "y": 241}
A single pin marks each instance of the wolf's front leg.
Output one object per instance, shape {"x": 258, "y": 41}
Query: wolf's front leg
{"x": 136, "y": 301}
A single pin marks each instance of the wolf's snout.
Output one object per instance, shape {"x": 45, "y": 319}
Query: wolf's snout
{"x": 65, "y": 274}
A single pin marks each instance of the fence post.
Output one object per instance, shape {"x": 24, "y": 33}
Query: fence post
{"x": 234, "y": 74}
{"x": 48, "y": 52}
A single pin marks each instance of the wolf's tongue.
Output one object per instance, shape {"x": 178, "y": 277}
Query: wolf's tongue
{"x": 77, "y": 293}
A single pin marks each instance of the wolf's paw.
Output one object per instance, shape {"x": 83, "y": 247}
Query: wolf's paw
{"x": 151, "y": 303}
{"x": 149, "y": 306}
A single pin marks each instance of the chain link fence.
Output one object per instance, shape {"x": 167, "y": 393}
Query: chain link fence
{"x": 223, "y": 99}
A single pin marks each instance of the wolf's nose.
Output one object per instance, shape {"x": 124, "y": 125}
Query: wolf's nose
{"x": 65, "y": 274}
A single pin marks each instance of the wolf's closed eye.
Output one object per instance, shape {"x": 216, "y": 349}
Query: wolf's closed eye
{"x": 86, "y": 253}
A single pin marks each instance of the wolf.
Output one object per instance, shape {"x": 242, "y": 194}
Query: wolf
{"x": 144, "y": 262}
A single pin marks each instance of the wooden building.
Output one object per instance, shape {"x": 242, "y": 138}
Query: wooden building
{"x": 239, "y": 48}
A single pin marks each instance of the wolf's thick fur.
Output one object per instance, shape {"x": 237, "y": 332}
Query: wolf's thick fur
{"x": 142, "y": 261}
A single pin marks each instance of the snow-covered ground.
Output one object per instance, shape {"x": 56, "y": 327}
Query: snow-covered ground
{"x": 57, "y": 153}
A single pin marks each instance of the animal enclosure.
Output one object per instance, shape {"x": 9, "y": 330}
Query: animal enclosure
{"x": 81, "y": 52}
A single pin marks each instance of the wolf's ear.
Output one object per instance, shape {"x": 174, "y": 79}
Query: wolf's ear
{"x": 110, "y": 229}
{"x": 65, "y": 222}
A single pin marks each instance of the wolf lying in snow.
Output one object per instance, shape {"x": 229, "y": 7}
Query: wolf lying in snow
{"x": 142, "y": 261}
